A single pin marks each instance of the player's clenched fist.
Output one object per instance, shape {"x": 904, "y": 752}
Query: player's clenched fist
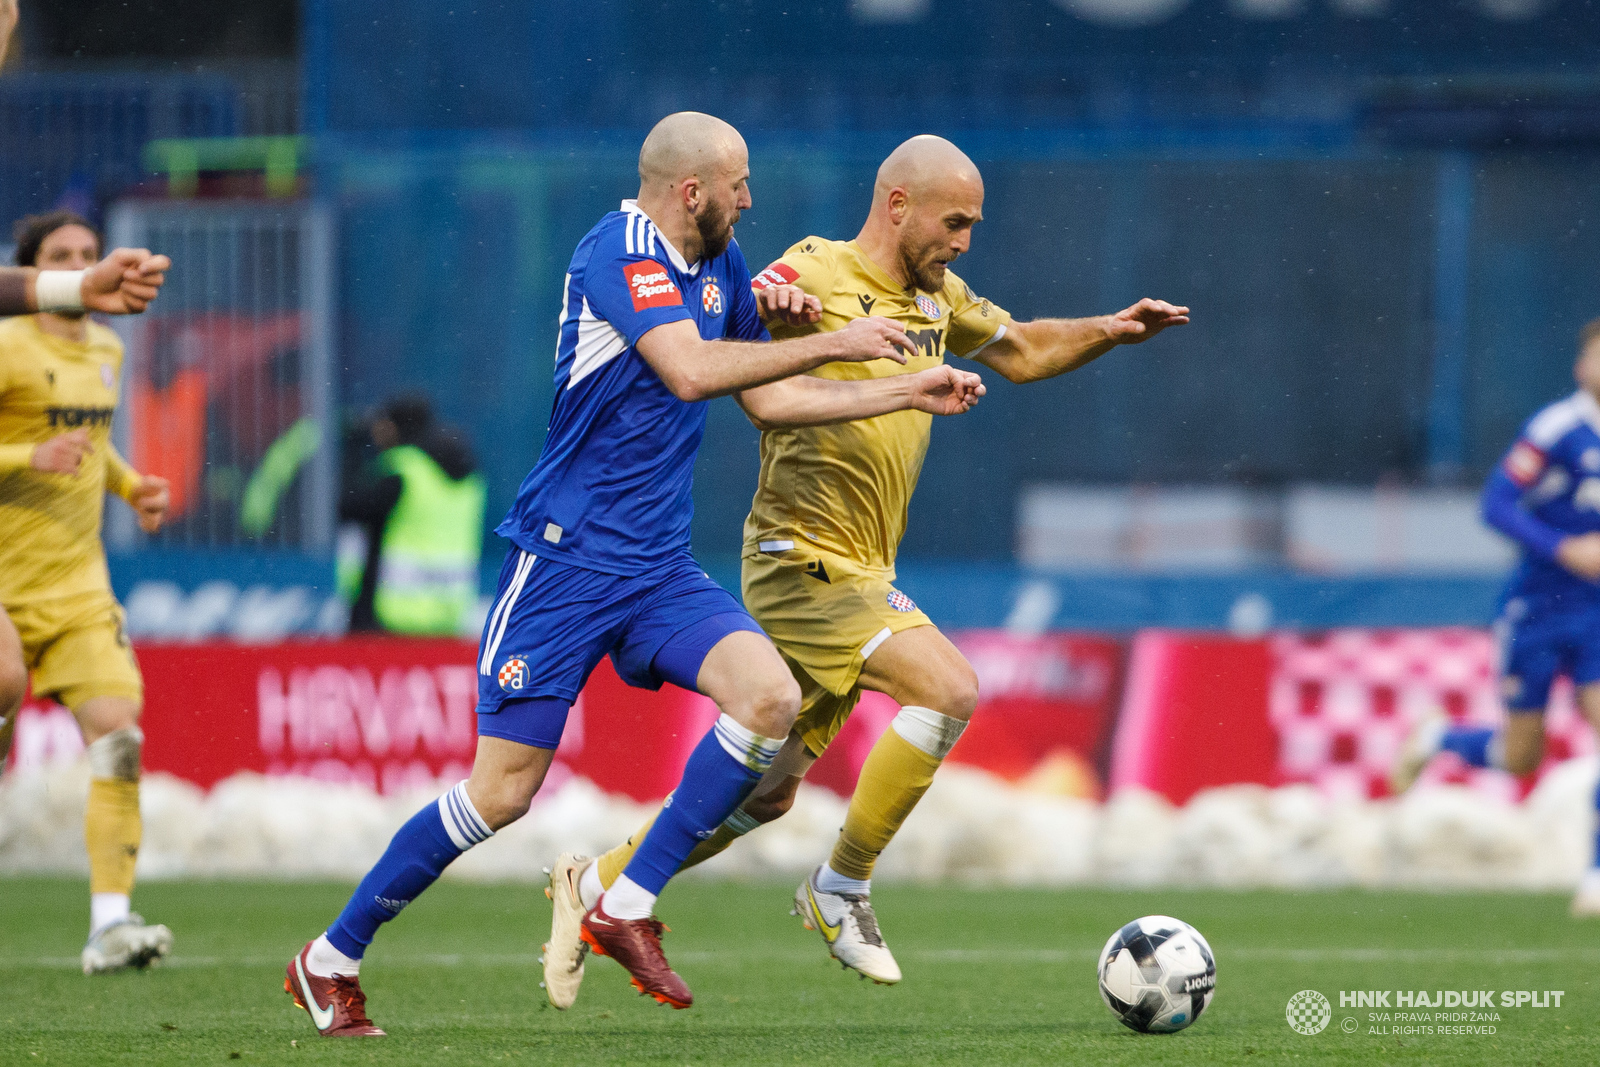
{"x": 150, "y": 502}
{"x": 125, "y": 281}
{"x": 788, "y": 304}
{"x": 873, "y": 337}
{"x": 944, "y": 390}
{"x": 62, "y": 454}
{"x": 1144, "y": 320}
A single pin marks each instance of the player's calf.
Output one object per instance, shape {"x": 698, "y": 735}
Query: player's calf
{"x": 112, "y": 830}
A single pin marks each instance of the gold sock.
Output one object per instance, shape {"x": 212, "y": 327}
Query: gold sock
{"x": 111, "y": 829}
{"x": 893, "y": 779}
{"x": 613, "y": 862}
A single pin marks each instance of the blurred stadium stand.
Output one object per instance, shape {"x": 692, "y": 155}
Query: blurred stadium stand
{"x": 1377, "y": 211}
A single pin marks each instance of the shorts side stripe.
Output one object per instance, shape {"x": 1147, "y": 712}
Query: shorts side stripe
{"x": 877, "y": 639}
{"x": 502, "y": 614}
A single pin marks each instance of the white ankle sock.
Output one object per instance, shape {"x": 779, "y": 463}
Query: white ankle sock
{"x": 589, "y": 888}
{"x": 325, "y": 961}
{"x": 105, "y": 909}
{"x": 627, "y": 899}
{"x": 831, "y": 881}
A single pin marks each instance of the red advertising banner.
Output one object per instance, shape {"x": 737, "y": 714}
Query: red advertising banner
{"x": 389, "y": 713}
{"x": 396, "y": 714}
{"x": 1195, "y": 715}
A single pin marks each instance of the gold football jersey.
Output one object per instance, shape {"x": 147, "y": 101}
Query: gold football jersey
{"x": 50, "y": 523}
{"x": 845, "y": 488}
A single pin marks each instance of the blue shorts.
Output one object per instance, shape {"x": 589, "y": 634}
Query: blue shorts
{"x": 1537, "y": 645}
{"x": 551, "y": 623}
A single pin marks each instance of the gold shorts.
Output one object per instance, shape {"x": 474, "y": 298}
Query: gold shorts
{"x": 76, "y": 649}
{"x": 826, "y": 614}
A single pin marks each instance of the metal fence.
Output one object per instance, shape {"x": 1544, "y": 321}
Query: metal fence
{"x": 228, "y": 384}
{"x": 76, "y": 137}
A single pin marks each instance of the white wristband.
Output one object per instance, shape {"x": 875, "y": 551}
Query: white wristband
{"x": 60, "y": 290}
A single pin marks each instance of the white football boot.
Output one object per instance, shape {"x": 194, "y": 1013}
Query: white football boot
{"x": 565, "y": 951}
{"x": 1586, "y": 902}
{"x": 125, "y": 943}
{"x": 848, "y": 925}
{"x": 1420, "y": 746}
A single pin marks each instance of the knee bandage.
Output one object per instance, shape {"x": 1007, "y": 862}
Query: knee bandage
{"x": 116, "y": 755}
{"x": 927, "y": 730}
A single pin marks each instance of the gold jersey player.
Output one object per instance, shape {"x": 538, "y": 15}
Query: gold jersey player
{"x": 826, "y": 522}
{"x": 58, "y": 392}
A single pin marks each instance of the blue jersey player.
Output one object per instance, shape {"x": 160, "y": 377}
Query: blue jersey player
{"x": 1545, "y": 495}
{"x": 657, "y": 298}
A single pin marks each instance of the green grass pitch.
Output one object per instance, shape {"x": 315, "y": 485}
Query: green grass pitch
{"x": 991, "y": 977}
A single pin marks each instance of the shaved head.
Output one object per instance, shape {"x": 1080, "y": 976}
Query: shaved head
{"x": 695, "y": 167}
{"x": 926, "y": 166}
{"x": 689, "y": 144}
{"x": 925, "y": 202}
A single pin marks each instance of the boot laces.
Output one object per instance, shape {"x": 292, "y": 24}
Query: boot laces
{"x": 866, "y": 920}
{"x": 348, "y": 989}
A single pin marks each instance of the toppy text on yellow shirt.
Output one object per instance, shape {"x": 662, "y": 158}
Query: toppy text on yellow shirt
{"x": 845, "y": 488}
{"x": 50, "y": 523}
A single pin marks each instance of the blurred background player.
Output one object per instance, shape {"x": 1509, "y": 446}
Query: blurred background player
{"x": 418, "y": 507}
{"x": 1544, "y": 495}
{"x": 58, "y": 393}
{"x": 829, "y": 514}
{"x": 657, "y": 297}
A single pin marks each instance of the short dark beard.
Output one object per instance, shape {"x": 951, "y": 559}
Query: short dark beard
{"x": 716, "y": 231}
{"x": 921, "y": 275}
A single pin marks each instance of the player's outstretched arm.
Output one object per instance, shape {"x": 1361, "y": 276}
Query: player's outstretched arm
{"x": 809, "y": 401}
{"x": 1044, "y": 348}
{"x": 123, "y": 283}
{"x": 8, "y": 22}
{"x": 697, "y": 369}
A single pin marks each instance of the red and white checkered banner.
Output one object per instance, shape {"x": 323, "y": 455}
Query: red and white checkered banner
{"x": 1328, "y": 709}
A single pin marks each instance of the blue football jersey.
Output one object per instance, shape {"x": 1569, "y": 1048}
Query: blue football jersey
{"x": 1548, "y": 488}
{"x": 612, "y": 489}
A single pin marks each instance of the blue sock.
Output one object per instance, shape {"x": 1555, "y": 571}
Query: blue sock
{"x": 1470, "y": 743}
{"x": 722, "y": 769}
{"x": 1595, "y": 863}
{"x": 416, "y": 856}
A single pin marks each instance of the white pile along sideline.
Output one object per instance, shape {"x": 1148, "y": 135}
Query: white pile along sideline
{"x": 970, "y": 827}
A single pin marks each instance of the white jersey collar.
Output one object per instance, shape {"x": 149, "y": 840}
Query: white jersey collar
{"x": 1587, "y": 408}
{"x": 632, "y": 207}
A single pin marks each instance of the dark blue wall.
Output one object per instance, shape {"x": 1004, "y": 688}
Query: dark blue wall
{"x": 1311, "y": 356}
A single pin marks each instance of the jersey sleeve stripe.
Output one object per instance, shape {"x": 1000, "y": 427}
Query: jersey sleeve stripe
{"x": 999, "y": 333}
{"x": 1553, "y": 423}
{"x": 598, "y": 343}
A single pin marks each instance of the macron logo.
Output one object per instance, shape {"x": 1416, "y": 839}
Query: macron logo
{"x": 650, "y": 286}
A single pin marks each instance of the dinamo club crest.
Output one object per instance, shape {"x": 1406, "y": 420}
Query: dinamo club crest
{"x": 513, "y": 675}
{"x": 711, "y": 297}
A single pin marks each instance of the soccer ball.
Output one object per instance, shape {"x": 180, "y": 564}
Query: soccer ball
{"x": 1157, "y": 974}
